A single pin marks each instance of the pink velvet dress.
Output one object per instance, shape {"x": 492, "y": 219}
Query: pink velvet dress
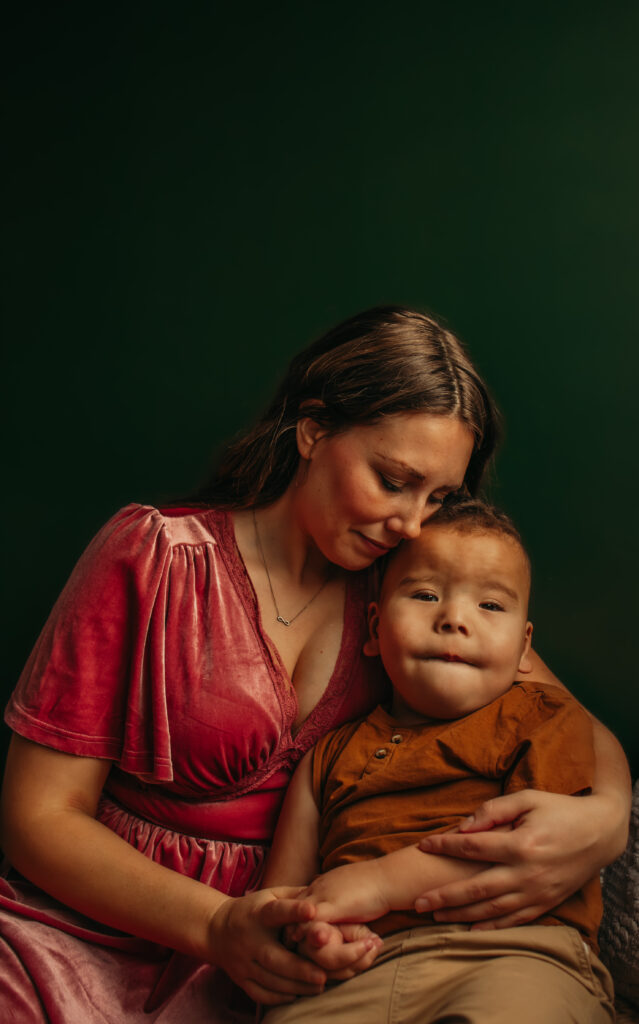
{"x": 154, "y": 657}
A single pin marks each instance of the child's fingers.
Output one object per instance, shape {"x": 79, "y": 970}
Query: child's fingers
{"x": 318, "y": 933}
{"x": 291, "y": 935}
{"x": 355, "y": 932}
{"x": 345, "y": 961}
{"x": 362, "y": 964}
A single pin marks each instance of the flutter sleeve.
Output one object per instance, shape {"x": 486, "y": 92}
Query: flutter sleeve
{"x": 94, "y": 684}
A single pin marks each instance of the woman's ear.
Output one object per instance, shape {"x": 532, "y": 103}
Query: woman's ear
{"x": 525, "y": 663}
{"x": 371, "y": 645}
{"x": 309, "y": 431}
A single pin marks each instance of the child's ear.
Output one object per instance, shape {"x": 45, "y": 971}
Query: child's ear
{"x": 525, "y": 663}
{"x": 309, "y": 432}
{"x": 371, "y": 646}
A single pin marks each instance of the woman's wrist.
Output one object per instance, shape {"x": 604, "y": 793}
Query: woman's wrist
{"x": 211, "y": 938}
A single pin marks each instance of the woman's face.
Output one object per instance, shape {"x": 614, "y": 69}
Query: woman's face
{"x": 362, "y": 491}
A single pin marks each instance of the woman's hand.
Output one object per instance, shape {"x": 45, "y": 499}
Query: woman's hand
{"x": 244, "y": 942}
{"x": 556, "y": 843}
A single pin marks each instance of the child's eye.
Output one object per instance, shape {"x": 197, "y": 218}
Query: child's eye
{"x": 388, "y": 485}
{"x": 491, "y": 606}
{"x": 425, "y": 596}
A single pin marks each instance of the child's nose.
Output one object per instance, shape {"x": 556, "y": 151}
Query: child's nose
{"x": 452, "y": 620}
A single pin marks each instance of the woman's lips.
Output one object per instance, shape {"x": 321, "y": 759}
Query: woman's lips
{"x": 375, "y": 546}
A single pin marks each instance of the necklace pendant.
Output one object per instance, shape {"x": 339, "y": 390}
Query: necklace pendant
{"x": 280, "y": 618}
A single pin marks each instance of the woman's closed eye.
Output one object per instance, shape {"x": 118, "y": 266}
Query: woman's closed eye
{"x": 390, "y": 485}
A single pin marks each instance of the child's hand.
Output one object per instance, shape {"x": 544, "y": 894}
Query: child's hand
{"x": 341, "y": 950}
{"x": 351, "y": 893}
{"x": 244, "y": 941}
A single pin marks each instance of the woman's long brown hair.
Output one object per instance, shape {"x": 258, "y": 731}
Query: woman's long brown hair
{"x": 383, "y": 361}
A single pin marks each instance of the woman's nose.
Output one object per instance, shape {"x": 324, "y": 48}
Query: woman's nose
{"x": 408, "y": 522}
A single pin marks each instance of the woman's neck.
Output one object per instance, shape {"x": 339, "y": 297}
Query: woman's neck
{"x": 275, "y": 535}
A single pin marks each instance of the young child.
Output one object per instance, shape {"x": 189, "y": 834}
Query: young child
{"x": 451, "y": 628}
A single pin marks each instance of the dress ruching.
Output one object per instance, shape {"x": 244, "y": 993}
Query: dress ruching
{"x": 154, "y": 657}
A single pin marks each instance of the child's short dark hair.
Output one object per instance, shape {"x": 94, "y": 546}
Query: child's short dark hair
{"x": 472, "y": 514}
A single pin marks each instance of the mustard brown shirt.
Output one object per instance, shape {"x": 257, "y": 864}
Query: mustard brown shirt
{"x": 380, "y": 785}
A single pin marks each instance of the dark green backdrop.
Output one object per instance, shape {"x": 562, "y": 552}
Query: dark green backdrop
{"x": 196, "y": 190}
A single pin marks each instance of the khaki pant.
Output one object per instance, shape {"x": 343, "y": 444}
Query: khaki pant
{"x": 447, "y": 974}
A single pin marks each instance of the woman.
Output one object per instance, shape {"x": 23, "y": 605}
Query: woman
{"x": 192, "y": 659}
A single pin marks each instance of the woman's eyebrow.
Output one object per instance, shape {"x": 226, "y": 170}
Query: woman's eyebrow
{"x": 402, "y": 465}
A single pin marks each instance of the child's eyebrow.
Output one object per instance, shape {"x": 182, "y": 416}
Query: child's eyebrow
{"x": 503, "y": 587}
{"x": 410, "y": 581}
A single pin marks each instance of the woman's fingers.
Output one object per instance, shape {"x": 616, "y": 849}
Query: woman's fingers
{"x": 285, "y": 909}
{"x": 262, "y": 995}
{"x": 479, "y": 889}
{"x": 492, "y": 893}
{"x": 266, "y": 972}
{"x": 484, "y": 910}
{"x": 502, "y": 810}
{"x": 349, "y": 972}
{"x": 487, "y": 846}
{"x": 523, "y": 916}
{"x": 293, "y": 973}
{"x": 500, "y": 893}
{"x": 244, "y": 942}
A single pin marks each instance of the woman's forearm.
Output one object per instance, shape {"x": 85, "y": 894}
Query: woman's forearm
{"x": 51, "y": 835}
{"x": 89, "y": 868}
{"x": 613, "y": 786}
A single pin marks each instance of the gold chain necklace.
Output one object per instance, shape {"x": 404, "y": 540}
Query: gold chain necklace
{"x": 280, "y": 618}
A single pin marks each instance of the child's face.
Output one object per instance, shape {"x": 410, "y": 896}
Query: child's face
{"x": 450, "y": 624}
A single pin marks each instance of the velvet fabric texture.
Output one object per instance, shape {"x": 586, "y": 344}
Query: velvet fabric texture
{"x": 381, "y": 785}
{"x": 154, "y": 657}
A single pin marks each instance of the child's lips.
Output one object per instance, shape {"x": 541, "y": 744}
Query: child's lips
{"x": 448, "y": 656}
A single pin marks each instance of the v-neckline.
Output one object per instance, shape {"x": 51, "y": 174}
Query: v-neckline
{"x": 350, "y": 642}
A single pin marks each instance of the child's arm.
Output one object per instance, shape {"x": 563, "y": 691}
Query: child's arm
{"x": 358, "y": 892}
{"x": 294, "y": 851}
{"x": 367, "y": 890}
{"x": 342, "y": 952}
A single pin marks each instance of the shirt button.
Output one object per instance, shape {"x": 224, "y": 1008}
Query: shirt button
{"x": 397, "y": 738}
{"x": 381, "y": 753}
